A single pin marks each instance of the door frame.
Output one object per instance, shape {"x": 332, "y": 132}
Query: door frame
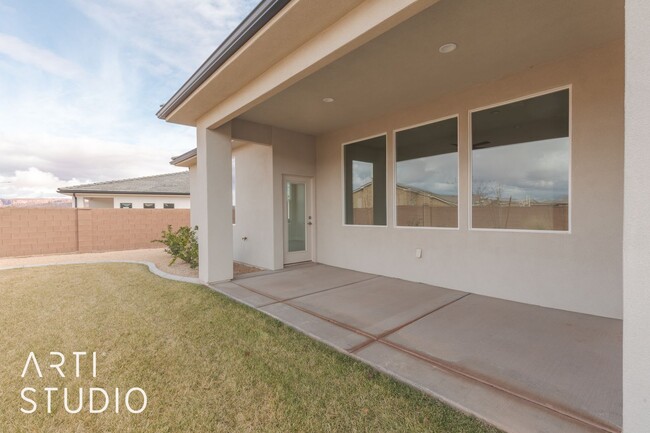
{"x": 310, "y": 238}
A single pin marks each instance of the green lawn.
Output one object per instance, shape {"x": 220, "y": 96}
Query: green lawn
{"x": 206, "y": 363}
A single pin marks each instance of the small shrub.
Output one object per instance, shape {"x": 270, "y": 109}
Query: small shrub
{"x": 181, "y": 244}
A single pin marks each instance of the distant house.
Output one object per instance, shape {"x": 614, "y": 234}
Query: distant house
{"x": 414, "y": 207}
{"x": 164, "y": 191}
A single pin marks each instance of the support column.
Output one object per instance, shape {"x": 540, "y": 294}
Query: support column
{"x": 214, "y": 199}
{"x": 194, "y": 201}
{"x": 636, "y": 226}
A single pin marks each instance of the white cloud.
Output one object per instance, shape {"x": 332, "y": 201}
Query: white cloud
{"x": 538, "y": 170}
{"x": 23, "y": 52}
{"x": 179, "y": 33}
{"x": 101, "y": 124}
{"x": 32, "y": 183}
{"x": 71, "y": 158}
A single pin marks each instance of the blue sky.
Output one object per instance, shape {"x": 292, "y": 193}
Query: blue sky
{"x": 81, "y": 81}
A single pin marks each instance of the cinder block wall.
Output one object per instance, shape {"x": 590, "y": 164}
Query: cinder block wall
{"x": 26, "y": 232}
{"x": 53, "y": 231}
{"x": 126, "y": 229}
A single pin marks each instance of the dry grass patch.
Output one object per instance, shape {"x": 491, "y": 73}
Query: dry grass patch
{"x": 206, "y": 363}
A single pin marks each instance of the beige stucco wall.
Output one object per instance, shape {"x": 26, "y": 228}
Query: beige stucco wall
{"x": 636, "y": 269}
{"x": 578, "y": 271}
{"x": 95, "y": 202}
{"x": 294, "y": 154}
{"x": 259, "y": 172}
{"x": 254, "y": 195}
{"x": 138, "y": 201}
{"x": 194, "y": 202}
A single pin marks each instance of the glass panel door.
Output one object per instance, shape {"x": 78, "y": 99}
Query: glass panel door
{"x": 298, "y": 221}
{"x": 296, "y": 211}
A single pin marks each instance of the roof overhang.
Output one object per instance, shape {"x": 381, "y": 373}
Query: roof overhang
{"x": 403, "y": 67}
{"x": 262, "y": 14}
{"x": 381, "y": 56}
{"x": 187, "y": 159}
{"x": 71, "y": 192}
{"x": 280, "y": 53}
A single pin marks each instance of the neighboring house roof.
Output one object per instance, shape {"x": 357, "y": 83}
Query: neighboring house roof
{"x": 362, "y": 187}
{"x": 261, "y": 15}
{"x": 162, "y": 184}
{"x": 451, "y": 200}
{"x": 182, "y": 160}
{"x": 447, "y": 199}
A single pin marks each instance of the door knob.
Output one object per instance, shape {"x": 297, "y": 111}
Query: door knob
{"x": 309, "y": 223}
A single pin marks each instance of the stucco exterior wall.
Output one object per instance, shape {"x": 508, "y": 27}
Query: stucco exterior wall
{"x": 636, "y": 268}
{"x": 95, "y": 202}
{"x": 578, "y": 271}
{"x": 194, "y": 203}
{"x": 138, "y": 201}
{"x": 294, "y": 154}
{"x": 254, "y": 195}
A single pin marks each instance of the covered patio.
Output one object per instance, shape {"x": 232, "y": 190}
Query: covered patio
{"x": 406, "y": 146}
{"x": 522, "y": 368}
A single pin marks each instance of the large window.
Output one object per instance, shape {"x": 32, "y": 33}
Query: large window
{"x": 520, "y": 164}
{"x": 365, "y": 181}
{"x": 427, "y": 175}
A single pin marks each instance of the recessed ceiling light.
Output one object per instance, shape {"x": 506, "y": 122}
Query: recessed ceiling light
{"x": 328, "y": 99}
{"x": 447, "y": 48}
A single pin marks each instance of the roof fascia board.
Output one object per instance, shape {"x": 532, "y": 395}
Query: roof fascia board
{"x": 187, "y": 163}
{"x": 185, "y": 160}
{"x": 362, "y": 24}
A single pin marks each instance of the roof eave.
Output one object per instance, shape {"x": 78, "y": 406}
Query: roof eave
{"x": 262, "y": 14}
{"x": 76, "y": 191}
{"x": 185, "y": 160}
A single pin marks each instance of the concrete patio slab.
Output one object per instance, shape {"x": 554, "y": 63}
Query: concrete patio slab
{"x": 302, "y": 281}
{"x": 520, "y": 367}
{"x": 571, "y": 362}
{"x": 505, "y": 411}
{"x": 379, "y": 305}
{"x": 339, "y": 338}
{"x": 241, "y": 294}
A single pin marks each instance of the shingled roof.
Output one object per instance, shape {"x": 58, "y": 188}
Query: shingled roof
{"x": 162, "y": 184}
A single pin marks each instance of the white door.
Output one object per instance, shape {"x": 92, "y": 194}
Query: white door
{"x": 298, "y": 221}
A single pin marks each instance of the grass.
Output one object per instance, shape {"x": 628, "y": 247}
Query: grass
{"x": 206, "y": 363}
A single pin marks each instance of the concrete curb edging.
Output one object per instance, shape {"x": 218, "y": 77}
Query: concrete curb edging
{"x": 152, "y": 268}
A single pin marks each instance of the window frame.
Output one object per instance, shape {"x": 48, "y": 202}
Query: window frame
{"x": 357, "y": 140}
{"x": 148, "y": 205}
{"x": 470, "y": 163}
{"x": 394, "y": 182}
{"x": 126, "y": 205}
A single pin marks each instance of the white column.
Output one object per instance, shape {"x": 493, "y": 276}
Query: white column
{"x": 194, "y": 202}
{"x": 214, "y": 195}
{"x": 636, "y": 231}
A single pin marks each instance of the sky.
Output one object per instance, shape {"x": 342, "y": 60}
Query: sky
{"x": 81, "y": 81}
{"x": 536, "y": 170}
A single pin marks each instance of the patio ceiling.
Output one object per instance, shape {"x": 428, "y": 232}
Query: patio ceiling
{"x": 403, "y": 67}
